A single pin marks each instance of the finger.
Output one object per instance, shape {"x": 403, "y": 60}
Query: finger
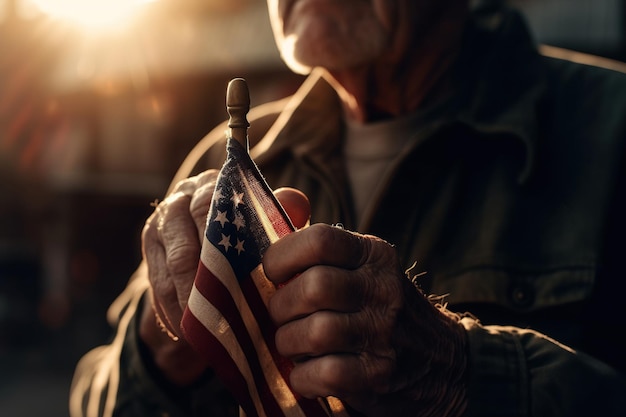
{"x": 319, "y": 244}
{"x": 199, "y": 189}
{"x": 178, "y": 233}
{"x": 168, "y": 304}
{"x": 164, "y": 321}
{"x": 296, "y": 204}
{"x": 189, "y": 185}
{"x": 208, "y": 176}
{"x": 161, "y": 293}
{"x": 318, "y": 288}
{"x": 340, "y": 375}
{"x": 200, "y": 205}
{"x": 318, "y": 334}
{"x": 182, "y": 249}
{"x": 154, "y": 254}
{"x": 172, "y": 250}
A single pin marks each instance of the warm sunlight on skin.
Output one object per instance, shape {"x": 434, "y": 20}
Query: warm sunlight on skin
{"x": 91, "y": 14}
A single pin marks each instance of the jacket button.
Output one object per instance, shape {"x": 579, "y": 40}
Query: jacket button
{"x": 522, "y": 295}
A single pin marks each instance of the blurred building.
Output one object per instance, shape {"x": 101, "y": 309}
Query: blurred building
{"x": 93, "y": 125}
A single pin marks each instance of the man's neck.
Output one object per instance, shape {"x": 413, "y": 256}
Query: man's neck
{"x": 399, "y": 83}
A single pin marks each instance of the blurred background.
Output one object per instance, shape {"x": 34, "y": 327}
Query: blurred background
{"x": 100, "y": 100}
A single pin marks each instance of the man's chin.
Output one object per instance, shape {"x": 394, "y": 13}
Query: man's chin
{"x": 302, "y": 57}
{"x": 305, "y": 64}
{"x": 296, "y": 66}
{"x": 288, "y": 53}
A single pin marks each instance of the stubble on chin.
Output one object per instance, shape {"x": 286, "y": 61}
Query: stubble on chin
{"x": 333, "y": 45}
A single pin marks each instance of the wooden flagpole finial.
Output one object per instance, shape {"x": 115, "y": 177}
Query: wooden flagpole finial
{"x": 238, "y": 105}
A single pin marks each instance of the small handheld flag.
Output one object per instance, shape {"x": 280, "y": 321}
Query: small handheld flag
{"x": 226, "y": 318}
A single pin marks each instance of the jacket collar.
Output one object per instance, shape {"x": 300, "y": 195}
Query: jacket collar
{"x": 499, "y": 78}
{"x": 308, "y": 124}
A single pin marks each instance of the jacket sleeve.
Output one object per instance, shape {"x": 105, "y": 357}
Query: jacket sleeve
{"x": 112, "y": 380}
{"x": 117, "y": 380}
{"x": 518, "y": 372}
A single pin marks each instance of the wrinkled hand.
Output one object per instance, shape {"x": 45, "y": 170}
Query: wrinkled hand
{"x": 172, "y": 239}
{"x": 171, "y": 243}
{"x": 359, "y": 330}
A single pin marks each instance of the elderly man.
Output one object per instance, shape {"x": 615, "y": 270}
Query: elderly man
{"x": 460, "y": 154}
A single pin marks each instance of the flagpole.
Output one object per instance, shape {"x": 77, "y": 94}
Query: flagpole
{"x": 238, "y": 105}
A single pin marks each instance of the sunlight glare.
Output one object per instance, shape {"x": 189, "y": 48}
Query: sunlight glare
{"x": 91, "y": 14}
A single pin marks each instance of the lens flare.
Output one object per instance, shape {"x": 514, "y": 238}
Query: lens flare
{"x": 91, "y": 14}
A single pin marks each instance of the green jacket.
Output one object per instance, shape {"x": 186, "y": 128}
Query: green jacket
{"x": 511, "y": 199}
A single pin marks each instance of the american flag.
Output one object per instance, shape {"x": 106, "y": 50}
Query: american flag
{"x": 226, "y": 318}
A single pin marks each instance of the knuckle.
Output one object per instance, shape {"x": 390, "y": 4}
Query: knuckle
{"x": 319, "y": 333}
{"x": 186, "y": 186}
{"x": 313, "y": 287}
{"x": 380, "y": 250}
{"x": 200, "y": 204}
{"x": 332, "y": 375}
{"x": 175, "y": 202}
{"x": 181, "y": 258}
{"x": 172, "y": 206}
{"x": 207, "y": 177}
{"x": 282, "y": 342}
{"x": 152, "y": 221}
{"x": 320, "y": 237}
